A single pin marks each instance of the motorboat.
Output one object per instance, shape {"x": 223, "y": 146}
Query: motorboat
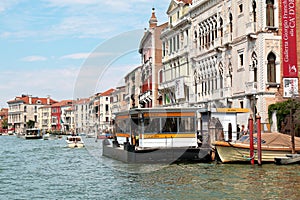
{"x": 74, "y": 141}
{"x": 90, "y": 135}
{"x": 105, "y": 136}
{"x": 32, "y": 133}
{"x": 288, "y": 159}
{"x": 272, "y": 145}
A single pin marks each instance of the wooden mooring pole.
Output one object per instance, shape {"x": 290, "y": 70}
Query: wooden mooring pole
{"x": 250, "y": 122}
{"x": 258, "y": 128}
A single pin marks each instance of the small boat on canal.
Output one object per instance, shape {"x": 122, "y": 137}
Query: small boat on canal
{"x": 32, "y": 134}
{"x": 104, "y": 136}
{"x": 74, "y": 141}
{"x": 273, "y": 145}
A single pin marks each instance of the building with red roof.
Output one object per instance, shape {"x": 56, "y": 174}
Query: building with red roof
{"x": 151, "y": 53}
{"x": 105, "y": 110}
{"x": 59, "y": 120}
{"x": 24, "y": 109}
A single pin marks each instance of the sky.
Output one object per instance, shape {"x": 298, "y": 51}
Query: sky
{"x": 70, "y": 49}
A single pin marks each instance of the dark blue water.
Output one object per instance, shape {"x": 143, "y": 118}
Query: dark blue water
{"x": 46, "y": 169}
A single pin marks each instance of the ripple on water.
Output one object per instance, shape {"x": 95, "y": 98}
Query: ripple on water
{"x": 41, "y": 169}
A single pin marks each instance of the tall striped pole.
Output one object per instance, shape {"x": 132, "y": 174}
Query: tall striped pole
{"x": 259, "y": 154}
{"x": 250, "y": 121}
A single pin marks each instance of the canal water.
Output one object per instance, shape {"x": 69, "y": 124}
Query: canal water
{"x": 46, "y": 169}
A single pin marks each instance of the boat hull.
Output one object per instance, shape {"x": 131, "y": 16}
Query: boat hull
{"x": 75, "y": 145}
{"x": 74, "y": 142}
{"x": 129, "y": 154}
{"x": 233, "y": 152}
{"x": 32, "y": 137}
{"x": 288, "y": 159}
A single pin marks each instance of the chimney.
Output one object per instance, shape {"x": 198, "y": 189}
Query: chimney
{"x": 48, "y": 100}
{"x": 30, "y": 99}
{"x": 153, "y": 20}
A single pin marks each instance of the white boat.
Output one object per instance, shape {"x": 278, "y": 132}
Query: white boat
{"x": 74, "y": 142}
{"x": 288, "y": 159}
{"x": 273, "y": 145}
{"x": 90, "y": 135}
{"x": 32, "y": 133}
{"x": 46, "y": 136}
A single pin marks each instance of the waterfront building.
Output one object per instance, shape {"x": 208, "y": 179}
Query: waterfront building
{"x": 44, "y": 118}
{"x": 174, "y": 76}
{"x": 118, "y": 100}
{"x": 3, "y": 118}
{"x": 132, "y": 88}
{"x": 94, "y": 113}
{"x": 151, "y": 57}
{"x": 81, "y": 118}
{"x": 58, "y": 116}
{"x": 69, "y": 119}
{"x": 235, "y": 54}
{"x": 105, "y": 116}
{"x": 24, "y": 109}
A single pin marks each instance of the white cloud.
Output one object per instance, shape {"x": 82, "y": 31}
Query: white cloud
{"x": 75, "y": 56}
{"x": 86, "y": 55}
{"x": 82, "y": 27}
{"x": 71, "y": 2}
{"x": 5, "y": 4}
{"x": 34, "y": 58}
{"x": 79, "y": 18}
{"x": 38, "y": 82}
{"x": 5, "y": 34}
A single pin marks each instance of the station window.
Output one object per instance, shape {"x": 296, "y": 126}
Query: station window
{"x": 169, "y": 125}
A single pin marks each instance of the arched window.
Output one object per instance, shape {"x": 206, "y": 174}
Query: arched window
{"x": 215, "y": 27}
{"x": 195, "y": 34}
{"x": 230, "y": 70}
{"x": 270, "y": 13}
{"x": 254, "y": 10}
{"x": 230, "y": 23}
{"x": 221, "y": 27}
{"x": 200, "y": 37}
{"x": 254, "y": 66}
{"x": 271, "y": 68}
{"x": 221, "y": 71}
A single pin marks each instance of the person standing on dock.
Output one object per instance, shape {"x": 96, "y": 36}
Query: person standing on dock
{"x": 238, "y": 130}
{"x": 244, "y": 130}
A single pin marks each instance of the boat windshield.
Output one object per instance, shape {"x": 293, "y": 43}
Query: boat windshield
{"x": 74, "y": 139}
{"x": 246, "y": 138}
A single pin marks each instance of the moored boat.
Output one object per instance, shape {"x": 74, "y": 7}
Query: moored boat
{"x": 157, "y": 135}
{"x": 273, "y": 145}
{"x": 90, "y": 135}
{"x": 288, "y": 159}
{"x": 104, "y": 136}
{"x": 74, "y": 141}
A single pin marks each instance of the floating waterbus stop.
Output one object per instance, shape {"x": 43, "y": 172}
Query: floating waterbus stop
{"x": 170, "y": 134}
{"x": 156, "y": 135}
